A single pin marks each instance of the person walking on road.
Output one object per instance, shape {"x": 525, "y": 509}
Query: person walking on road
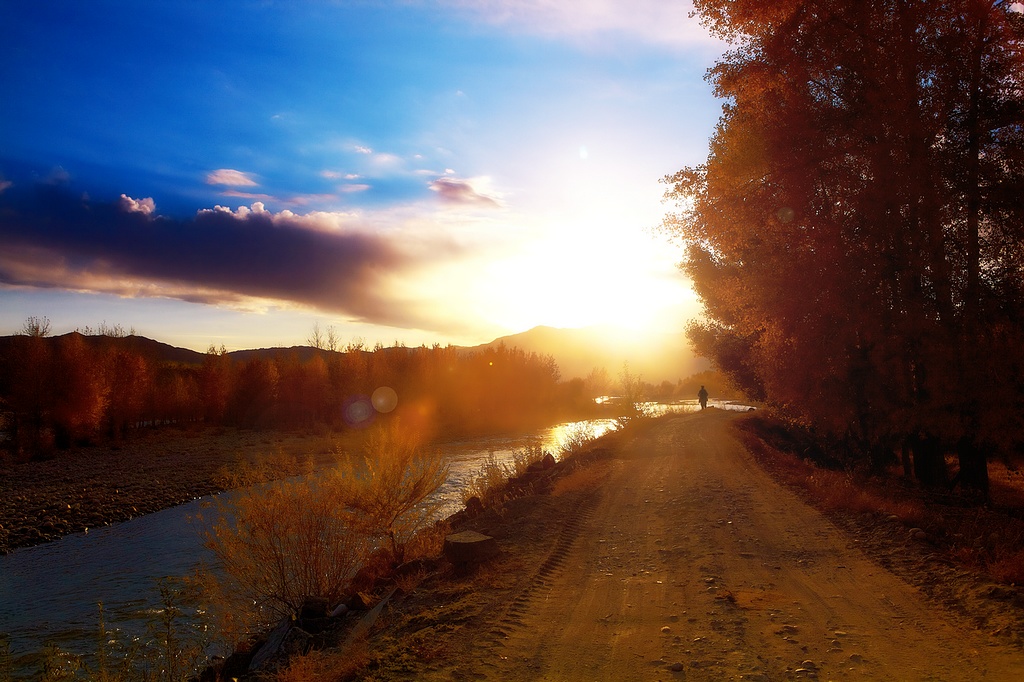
{"x": 702, "y": 396}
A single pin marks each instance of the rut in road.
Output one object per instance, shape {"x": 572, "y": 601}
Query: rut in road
{"x": 541, "y": 582}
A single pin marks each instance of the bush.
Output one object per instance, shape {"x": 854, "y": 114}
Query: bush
{"x": 280, "y": 542}
{"x": 390, "y": 498}
{"x": 576, "y": 439}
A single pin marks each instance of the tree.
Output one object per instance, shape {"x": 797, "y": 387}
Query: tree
{"x": 851, "y": 234}
{"x": 36, "y": 327}
{"x": 80, "y": 391}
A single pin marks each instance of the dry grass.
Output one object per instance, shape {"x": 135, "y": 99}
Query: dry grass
{"x": 577, "y": 438}
{"x": 332, "y": 665}
{"x": 581, "y": 479}
{"x": 989, "y": 539}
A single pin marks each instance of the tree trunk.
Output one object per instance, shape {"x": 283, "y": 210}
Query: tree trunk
{"x": 929, "y": 462}
{"x": 973, "y": 468}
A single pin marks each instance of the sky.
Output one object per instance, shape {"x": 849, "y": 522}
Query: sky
{"x": 433, "y": 171}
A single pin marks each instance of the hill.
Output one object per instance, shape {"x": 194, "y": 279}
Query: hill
{"x": 578, "y": 351}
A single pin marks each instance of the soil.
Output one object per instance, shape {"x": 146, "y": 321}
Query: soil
{"x": 675, "y": 556}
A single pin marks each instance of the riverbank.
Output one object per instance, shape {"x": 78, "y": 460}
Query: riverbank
{"x": 84, "y": 488}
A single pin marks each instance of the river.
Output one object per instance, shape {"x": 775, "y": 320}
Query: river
{"x": 49, "y": 594}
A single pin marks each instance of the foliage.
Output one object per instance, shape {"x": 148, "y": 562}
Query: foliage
{"x": 279, "y": 542}
{"x": 80, "y": 388}
{"x": 576, "y": 439}
{"x": 391, "y": 497}
{"x": 855, "y": 233}
{"x": 488, "y": 482}
{"x": 633, "y": 396}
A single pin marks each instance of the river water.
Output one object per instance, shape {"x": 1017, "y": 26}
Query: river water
{"x": 49, "y": 594}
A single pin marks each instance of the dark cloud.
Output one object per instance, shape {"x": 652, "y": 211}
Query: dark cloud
{"x": 462, "y": 192}
{"x": 50, "y": 237}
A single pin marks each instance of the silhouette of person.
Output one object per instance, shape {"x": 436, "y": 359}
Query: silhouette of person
{"x": 702, "y": 396}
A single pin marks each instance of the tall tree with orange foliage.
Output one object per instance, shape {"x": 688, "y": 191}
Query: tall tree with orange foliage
{"x": 856, "y": 232}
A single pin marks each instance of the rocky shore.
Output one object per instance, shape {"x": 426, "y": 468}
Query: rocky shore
{"x": 85, "y": 488}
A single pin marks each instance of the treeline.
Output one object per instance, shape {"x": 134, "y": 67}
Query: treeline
{"x": 76, "y": 389}
{"x": 857, "y": 231}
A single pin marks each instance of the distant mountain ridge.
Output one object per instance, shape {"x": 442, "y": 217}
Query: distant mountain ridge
{"x": 576, "y": 351}
{"x": 656, "y": 358}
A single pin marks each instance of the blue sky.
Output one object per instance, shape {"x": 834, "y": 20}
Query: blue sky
{"x": 233, "y": 172}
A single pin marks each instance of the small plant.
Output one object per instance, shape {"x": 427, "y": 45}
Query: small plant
{"x": 59, "y": 665}
{"x": 279, "y": 542}
{"x": 524, "y": 456}
{"x": 576, "y": 438}
{"x": 5, "y": 659}
{"x": 488, "y": 482}
{"x": 633, "y": 396}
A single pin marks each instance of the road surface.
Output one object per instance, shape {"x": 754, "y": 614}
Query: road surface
{"x": 691, "y": 563}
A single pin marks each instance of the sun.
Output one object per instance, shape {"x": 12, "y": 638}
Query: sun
{"x": 613, "y": 280}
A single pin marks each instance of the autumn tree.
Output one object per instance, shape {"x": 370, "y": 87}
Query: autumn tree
{"x": 856, "y": 231}
{"x": 80, "y": 392}
{"x": 129, "y": 380}
{"x": 215, "y": 383}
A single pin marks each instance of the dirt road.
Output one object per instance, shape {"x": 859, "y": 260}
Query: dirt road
{"x": 691, "y": 563}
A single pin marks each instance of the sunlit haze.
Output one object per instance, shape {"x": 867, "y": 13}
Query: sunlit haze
{"x": 438, "y": 171}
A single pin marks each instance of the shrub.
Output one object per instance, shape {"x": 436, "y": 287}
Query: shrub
{"x": 390, "y": 499}
{"x": 522, "y": 457}
{"x": 576, "y": 438}
{"x": 488, "y": 482}
{"x": 279, "y": 542}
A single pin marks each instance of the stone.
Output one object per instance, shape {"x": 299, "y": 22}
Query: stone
{"x": 543, "y": 464}
{"x": 469, "y": 547}
{"x": 474, "y": 507}
{"x": 272, "y": 646}
{"x": 313, "y": 607}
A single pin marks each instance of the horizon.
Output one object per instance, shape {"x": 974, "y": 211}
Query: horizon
{"x": 405, "y": 173}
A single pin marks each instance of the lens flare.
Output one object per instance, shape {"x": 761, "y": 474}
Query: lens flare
{"x": 358, "y": 410}
{"x": 384, "y": 399}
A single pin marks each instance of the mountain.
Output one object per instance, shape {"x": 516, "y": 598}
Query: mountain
{"x": 656, "y": 358}
{"x": 141, "y": 345}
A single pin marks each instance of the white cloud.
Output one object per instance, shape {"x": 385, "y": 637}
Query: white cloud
{"x": 471, "y": 192}
{"x": 1017, "y": 8}
{"x": 145, "y": 206}
{"x": 351, "y": 189}
{"x": 330, "y": 175}
{"x": 248, "y": 195}
{"x": 231, "y": 178}
{"x": 360, "y": 149}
